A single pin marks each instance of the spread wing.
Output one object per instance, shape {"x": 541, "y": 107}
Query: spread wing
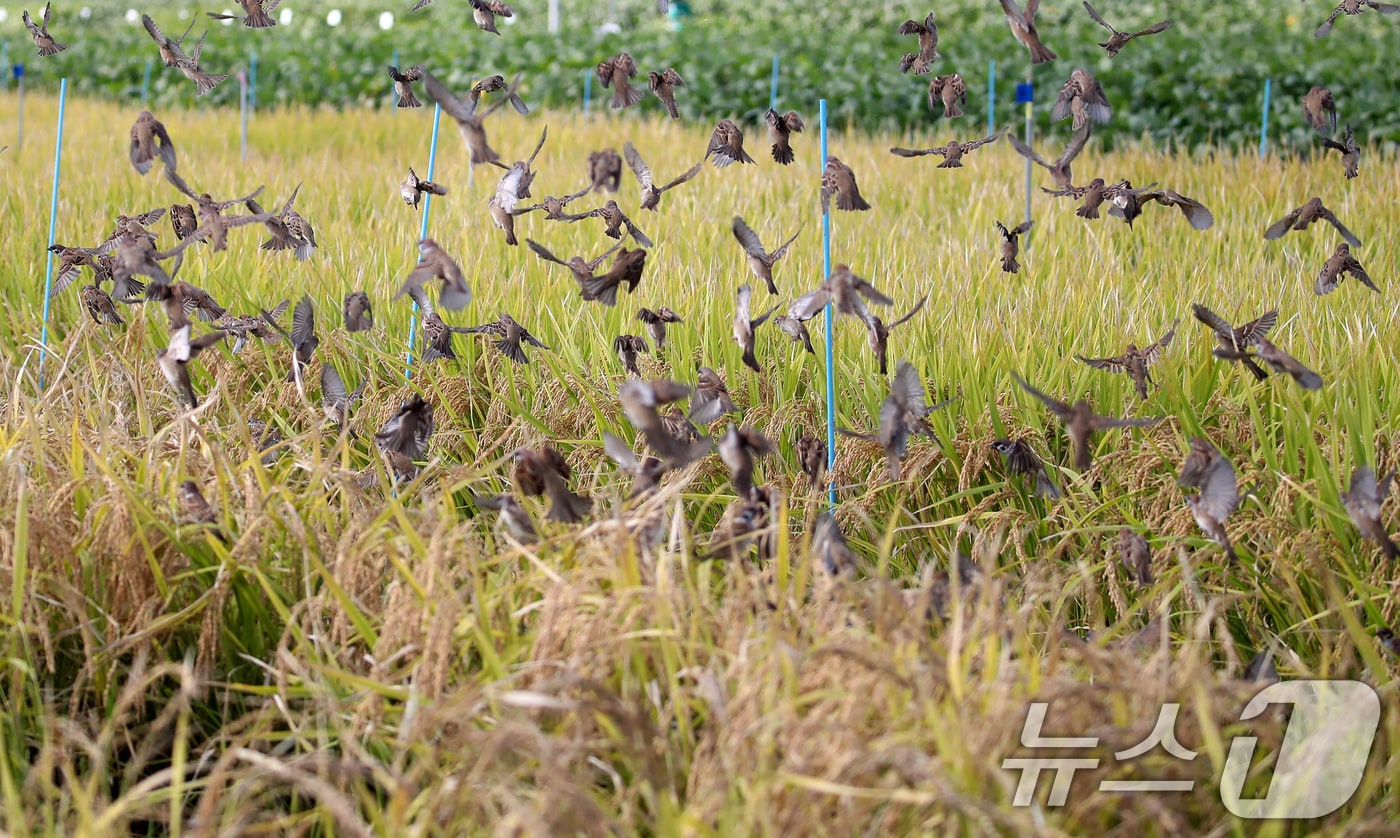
{"x": 638, "y": 166}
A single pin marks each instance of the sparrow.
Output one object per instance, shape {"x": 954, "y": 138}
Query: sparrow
{"x": 527, "y": 177}
{"x": 781, "y": 127}
{"x": 1080, "y": 421}
{"x": 1351, "y": 152}
{"x": 554, "y": 206}
{"x": 1011, "y": 245}
{"x": 40, "y": 33}
{"x": 1023, "y": 27}
{"x": 738, "y": 448}
{"x": 1363, "y": 501}
{"x": 760, "y": 261}
{"x": 302, "y": 338}
{"x": 132, "y": 225}
{"x": 1235, "y": 339}
{"x": 604, "y": 170}
{"x": 640, "y": 400}
{"x": 198, "y": 511}
{"x": 171, "y": 53}
{"x": 183, "y": 221}
{"x": 663, "y": 84}
{"x": 1082, "y": 98}
{"x": 502, "y": 205}
{"x": 470, "y": 124}
{"x": 727, "y": 145}
{"x": 1117, "y": 40}
{"x": 150, "y": 140}
{"x": 844, "y": 291}
{"x": 628, "y": 347}
{"x": 1211, "y": 507}
{"x": 203, "y": 82}
{"x": 541, "y": 472}
{"x": 1278, "y": 360}
{"x": 1320, "y": 111}
{"x": 516, "y": 520}
{"x": 403, "y": 85}
{"x": 920, "y": 62}
{"x": 651, "y": 194}
{"x": 839, "y": 180}
{"x": 615, "y": 72}
{"x": 812, "y": 458}
{"x": 1135, "y": 555}
{"x": 744, "y": 326}
{"x": 301, "y": 240}
{"x": 1261, "y": 669}
{"x": 100, "y": 306}
{"x": 678, "y": 426}
{"x": 1338, "y": 265}
{"x": 902, "y": 415}
{"x": 646, "y": 471}
{"x": 1126, "y": 203}
{"x": 255, "y": 326}
{"x": 71, "y": 261}
{"x": 626, "y": 268}
{"x": 710, "y": 399}
{"x": 336, "y": 401}
{"x": 952, "y": 153}
{"x": 434, "y": 263}
{"x": 879, "y": 333}
{"x": 1060, "y": 168}
{"x": 267, "y": 439}
{"x": 830, "y": 547}
{"x": 137, "y": 256}
{"x": 437, "y": 335}
{"x": 484, "y": 13}
{"x": 951, "y": 90}
{"x": 257, "y": 14}
{"x": 173, "y": 358}
{"x": 1135, "y": 361}
{"x": 746, "y": 523}
{"x": 181, "y": 299}
{"x": 1199, "y": 459}
{"x": 1352, "y": 7}
{"x": 796, "y": 330}
{"x": 214, "y": 226}
{"x": 583, "y": 269}
{"x": 616, "y": 220}
{"x": 1021, "y": 459}
{"x": 1389, "y": 644}
{"x": 656, "y": 323}
{"x": 491, "y": 84}
{"x": 509, "y": 335}
{"x": 1300, "y": 218}
{"x": 408, "y": 430}
{"x": 1092, "y": 196}
{"x": 359, "y": 317}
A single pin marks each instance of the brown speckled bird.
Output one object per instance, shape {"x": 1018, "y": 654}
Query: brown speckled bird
{"x": 509, "y": 337}
{"x": 903, "y": 414}
{"x": 812, "y": 458}
{"x": 727, "y": 145}
{"x": 710, "y": 399}
{"x": 605, "y": 170}
{"x": 40, "y": 33}
{"x": 1351, "y": 152}
{"x": 796, "y": 330}
{"x": 1023, "y": 27}
{"x": 1353, "y": 7}
{"x": 651, "y": 193}
{"x": 738, "y": 448}
{"x": 1117, "y": 40}
{"x": 203, "y": 82}
{"x": 664, "y": 85}
{"x": 1091, "y": 196}
{"x": 1135, "y": 554}
{"x": 656, "y": 322}
{"x": 1237, "y": 338}
{"x": 407, "y": 432}
{"x": 951, "y": 91}
{"x": 403, "y": 85}
{"x": 1300, "y": 218}
{"x": 1338, "y": 265}
{"x": 100, "y": 307}
{"x": 1320, "y": 111}
{"x": 646, "y": 471}
{"x": 760, "y": 261}
{"x": 844, "y": 290}
{"x": 150, "y": 140}
{"x": 469, "y": 122}
{"x": 181, "y": 299}
{"x": 879, "y": 333}
{"x": 1135, "y": 362}
{"x": 359, "y": 316}
{"x": 257, "y": 14}
{"x": 1022, "y": 460}
{"x": 1082, "y": 98}
{"x": 1363, "y": 500}
{"x": 952, "y": 153}
{"x": 1126, "y": 203}
{"x": 1059, "y": 170}
{"x": 1278, "y": 360}
{"x": 172, "y": 360}
{"x": 616, "y": 221}
{"x": 673, "y": 437}
{"x": 542, "y": 472}
{"x": 511, "y": 515}
{"x": 413, "y": 189}
{"x": 744, "y": 325}
{"x": 1011, "y": 245}
{"x": 1080, "y": 421}
{"x": 921, "y": 62}
{"x": 171, "y": 52}
{"x": 781, "y": 127}
{"x": 839, "y": 180}
{"x": 617, "y": 72}
{"x": 435, "y": 263}
{"x": 1218, "y": 497}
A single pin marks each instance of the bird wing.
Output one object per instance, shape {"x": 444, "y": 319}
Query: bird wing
{"x": 455, "y": 107}
{"x": 1116, "y": 365}
{"x": 1056, "y": 406}
{"x": 303, "y": 321}
{"x": 638, "y": 166}
{"x": 542, "y": 252}
{"x": 683, "y": 177}
{"x": 1250, "y": 333}
{"x": 1331, "y": 218}
{"x": 1098, "y": 18}
{"x": 748, "y": 238}
{"x": 917, "y": 152}
{"x": 1220, "y": 492}
{"x": 1153, "y": 353}
{"x": 1278, "y": 228}
{"x": 913, "y": 311}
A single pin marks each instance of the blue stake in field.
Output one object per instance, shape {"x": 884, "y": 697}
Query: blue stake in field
{"x": 53, "y": 226}
{"x": 423, "y": 234}
{"x": 1264, "y": 120}
{"x": 19, "y": 107}
{"x": 830, "y": 346}
{"x": 146, "y": 81}
{"x": 991, "y": 97}
{"x": 1025, "y": 93}
{"x": 773, "y": 90}
{"x": 587, "y": 89}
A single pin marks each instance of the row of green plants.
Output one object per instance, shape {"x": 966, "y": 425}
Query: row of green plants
{"x": 1199, "y": 82}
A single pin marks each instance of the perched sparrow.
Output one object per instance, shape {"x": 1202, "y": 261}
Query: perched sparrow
{"x": 710, "y": 399}
{"x": 1021, "y": 459}
{"x": 255, "y": 13}
{"x": 1300, "y": 218}
{"x": 605, "y": 170}
{"x": 1320, "y": 111}
{"x": 434, "y": 263}
{"x": 1116, "y": 40}
{"x": 541, "y": 472}
{"x": 744, "y": 326}
{"x": 738, "y": 448}
{"x": 203, "y": 82}
{"x": 640, "y": 400}
{"x": 760, "y": 261}
{"x": 1126, "y": 203}
{"x": 628, "y": 347}
{"x": 952, "y": 153}
{"x": 829, "y": 545}
{"x": 403, "y": 86}
{"x": 40, "y": 33}
{"x": 1060, "y": 168}
{"x": 812, "y": 458}
{"x": 509, "y": 335}
{"x": 1351, "y": 152}
{"x": 656, "y": 323}
{"x": 651, "y": 194}
{"x": 951, "y": 90}
{"x": 844, "y": 291}
{"x": 616, "y": 220}
{"x": 727, "y": 145}
{"x": 796, "y": 330}
{"x": 359, "y": 317}
{"x": 781, "y": 127}
{"x": 173, "y": 358}
{"x": 839, "y": 180}
{"x": 1135, "y": 361}
{"x": 1352, "y": 7}
{"x": 663, "y": 84}
{"x": 336, "y": 401}
{"x": 1339, "y": 264}
{"x": 616, "y": 73}
{"x": 1080, "y": 421}
{"x": 1238, "y": 338}
{"x": 1363, "y": 501}
{"x": 879, "y": 333}
{"x": 1023, "y": 27}
{"x": 1279, "y": 360}
{"x": 470, "y": 124}
{"x": 1011, "y": 245}
{"x": 1135, "y": 555}
{"x": 646, "y": 471}
{"x": 747, "y": 523}
{"x": 1081, "y": 98}
{"x": 516, "y": 520}
{"x": 1218, "y": 498}
{"x": 198, "y": 510}
{"x": 1198, "y": 463}
{"x": 903, "y": 414}
{"x": 408, "y": 430}
{"x": 921, "y": 62}
{"x": 150, "y": 140}
{"x": 171, "y": 54}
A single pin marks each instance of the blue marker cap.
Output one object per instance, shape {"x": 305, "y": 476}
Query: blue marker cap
{"x": 19, "y": 70}
{"x": 1025, "y": 92}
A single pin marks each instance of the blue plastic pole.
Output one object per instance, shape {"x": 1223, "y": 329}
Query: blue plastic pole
{"x": 773, "y": 94}
{"x": 830, "y": 345}
{"x": 146, "y": 82}
{"x": 4, "y": 64}
{"x": 991, "y": 97}
{"x": 53, "y": 226}
{"x": 394, "y": 97}
{"x": 587, "y": 88}
{"x": 1030, "y": 122}
{"x": 1264, "y": 122}
{"x": 253, "y": 80}
{"x": 423, "y": 234}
